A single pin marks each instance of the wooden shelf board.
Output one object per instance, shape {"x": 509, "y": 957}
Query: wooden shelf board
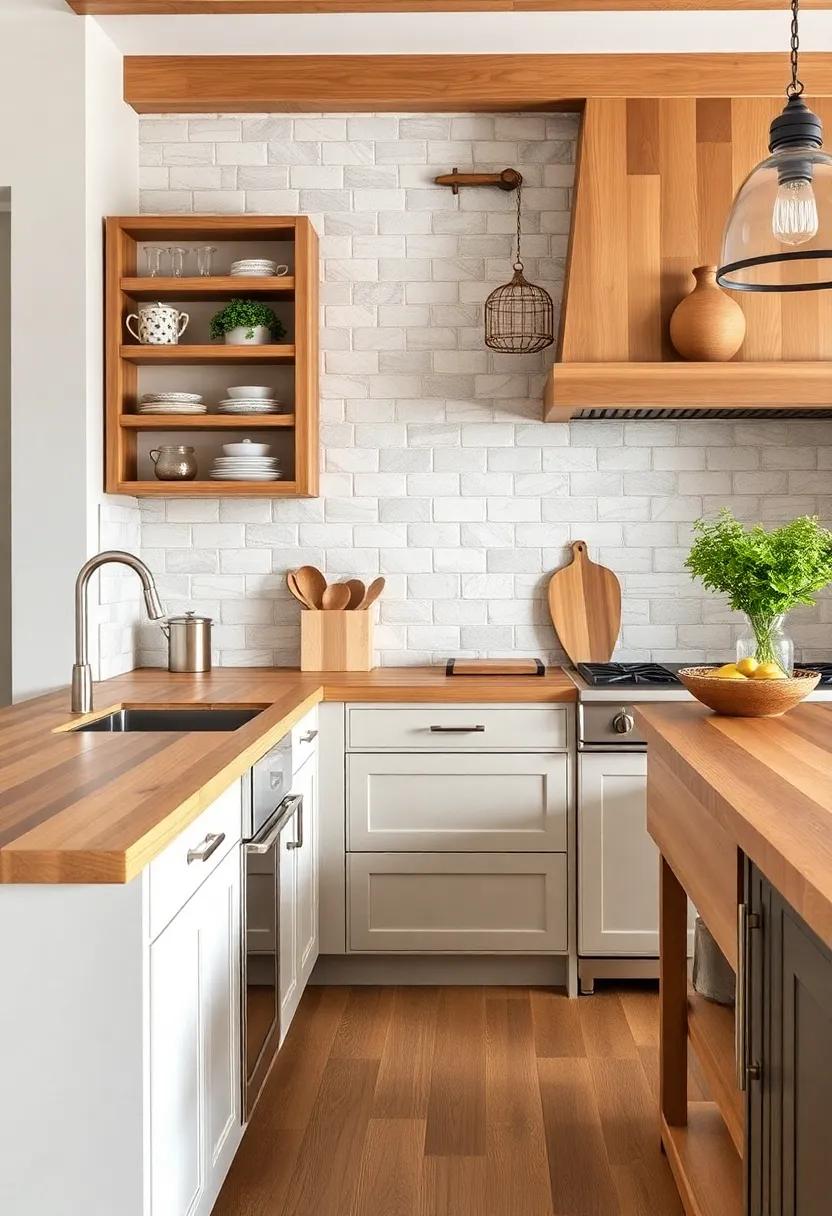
{"x": 711, "y": 1031}
{"x": 212, "y": 287}
{"x": 705, "y": 1164}
{"x": 205, "y": 422}
{"x": 208, "y": 227}
{"x": 184, "y": 354}
{"x": 209, "y": 489}
{"x": 571, "y": 387}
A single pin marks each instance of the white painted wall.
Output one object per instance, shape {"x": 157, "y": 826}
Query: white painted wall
{"x": 67, "y": 150}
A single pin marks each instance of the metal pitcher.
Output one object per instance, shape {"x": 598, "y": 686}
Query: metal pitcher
{"x": 189, "y": 642}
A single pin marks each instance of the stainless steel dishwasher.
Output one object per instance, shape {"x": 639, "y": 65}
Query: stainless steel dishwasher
{"x": 268, "y": 808}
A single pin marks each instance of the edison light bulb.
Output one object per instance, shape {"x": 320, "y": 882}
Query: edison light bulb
{"x": 795, "y": 217}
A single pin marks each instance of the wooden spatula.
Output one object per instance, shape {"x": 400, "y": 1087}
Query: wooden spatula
{"x": 585, "y": 603}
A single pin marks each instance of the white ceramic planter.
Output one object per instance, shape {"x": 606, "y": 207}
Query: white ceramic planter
{"x": 241, "y": 335}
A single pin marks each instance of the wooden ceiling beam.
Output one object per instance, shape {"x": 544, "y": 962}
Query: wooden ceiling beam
{"x": 113, "y": 8}
{"x": 199, "y": 84}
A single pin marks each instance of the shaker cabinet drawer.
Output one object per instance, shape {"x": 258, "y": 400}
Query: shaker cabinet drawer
{"x": 173, "y": 878}
{"x": 457, "y": 803}
{"x": 458, "y": 728}
{"x": 458, "y": 902}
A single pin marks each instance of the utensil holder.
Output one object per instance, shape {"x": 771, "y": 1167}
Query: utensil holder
{"x": 336, "y": 641}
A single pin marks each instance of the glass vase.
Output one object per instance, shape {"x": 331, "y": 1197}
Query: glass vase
{"x": 766, "y": 642}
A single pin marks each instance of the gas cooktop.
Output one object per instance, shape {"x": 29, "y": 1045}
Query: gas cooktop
{"x": 658, "y": 675}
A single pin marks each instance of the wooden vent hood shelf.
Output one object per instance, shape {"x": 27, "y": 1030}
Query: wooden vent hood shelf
{"x": 655, "y": 180}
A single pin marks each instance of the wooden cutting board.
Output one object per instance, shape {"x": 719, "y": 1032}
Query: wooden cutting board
{"x": 585, "y": 604}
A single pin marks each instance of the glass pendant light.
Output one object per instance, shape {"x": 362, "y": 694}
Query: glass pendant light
{"x": 779, "y": 230}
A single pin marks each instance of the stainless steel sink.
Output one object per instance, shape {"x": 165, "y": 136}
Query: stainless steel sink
{"x": 173, "y": 718}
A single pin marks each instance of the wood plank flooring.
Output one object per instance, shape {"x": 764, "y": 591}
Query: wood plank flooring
{"x": 460, "y": 1102}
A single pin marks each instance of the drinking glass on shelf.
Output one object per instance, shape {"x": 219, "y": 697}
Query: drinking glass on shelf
{"x": 177, "y": 260}
{"x": 204, "y": 259}
{"x": 153, "y": 255}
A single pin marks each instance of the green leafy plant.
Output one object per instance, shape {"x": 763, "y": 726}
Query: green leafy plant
{"x": 246, "y": 314}
{"x": 764, "y": 574}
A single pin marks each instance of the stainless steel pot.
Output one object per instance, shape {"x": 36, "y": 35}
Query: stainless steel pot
{"x": 189, "y": 642}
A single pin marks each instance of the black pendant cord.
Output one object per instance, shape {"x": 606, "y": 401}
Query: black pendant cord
{"x": 795, "y": 85}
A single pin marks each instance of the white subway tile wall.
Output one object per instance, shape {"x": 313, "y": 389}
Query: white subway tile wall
{"x": 116, "y": 603}
{"x": 435, "y": 469}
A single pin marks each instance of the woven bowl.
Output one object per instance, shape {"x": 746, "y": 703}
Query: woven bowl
{"x": 748, "y": 698}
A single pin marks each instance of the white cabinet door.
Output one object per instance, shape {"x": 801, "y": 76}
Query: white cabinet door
{"x": 289, "y": 979}
{"x": 177, "y": 1160}
{"x": 458, "y": 902}
{"x": 194, "y": 1047}
{"x": 618, "y": 863}
{"x": 306, "y": 784}
{"x": 457, "y": 803}
{"x": 219, "y": 948}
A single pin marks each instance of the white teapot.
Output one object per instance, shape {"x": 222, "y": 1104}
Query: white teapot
{"x": 158, "y": 324}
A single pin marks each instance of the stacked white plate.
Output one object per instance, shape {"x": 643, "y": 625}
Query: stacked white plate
{"x": 253, "y": 267}
{"x": 172, "y": 403}
{"x": 251, "y": 405}
{"x": 245, "y": 468}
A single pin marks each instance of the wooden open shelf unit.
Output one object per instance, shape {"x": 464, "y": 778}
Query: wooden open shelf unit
{"x": 295, "y": 296}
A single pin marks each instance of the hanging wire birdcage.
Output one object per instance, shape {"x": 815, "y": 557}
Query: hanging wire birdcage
{"x": 519, "y": 316}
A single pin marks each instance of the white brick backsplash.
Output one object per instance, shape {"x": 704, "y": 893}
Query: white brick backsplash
{"x": 436, "y": 468}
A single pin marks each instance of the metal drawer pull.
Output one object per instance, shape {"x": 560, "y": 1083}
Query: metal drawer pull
{"x": 457, "y": 730}
{"x": 309, "y": 736}
{"x": 209, "y": 845}
{"x": 297, "y": 843}
{"x": 745, "y": 922}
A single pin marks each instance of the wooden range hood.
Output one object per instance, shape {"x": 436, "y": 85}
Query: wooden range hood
{"x": 655, "y": 180}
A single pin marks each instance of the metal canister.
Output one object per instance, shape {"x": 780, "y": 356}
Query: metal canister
{"x": 189, "y": 642}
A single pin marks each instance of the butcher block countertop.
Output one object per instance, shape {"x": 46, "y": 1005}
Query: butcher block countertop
{"x": 767, "y": 782}
{"x": 97, "y": 807}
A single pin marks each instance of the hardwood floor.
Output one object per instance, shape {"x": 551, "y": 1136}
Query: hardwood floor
{"x": 460, "y": 1102}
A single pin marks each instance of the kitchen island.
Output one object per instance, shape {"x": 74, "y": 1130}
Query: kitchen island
{"x": 741, "y": 810}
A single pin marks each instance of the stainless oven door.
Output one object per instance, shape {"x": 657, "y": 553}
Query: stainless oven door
{"x": 260, "y": 953}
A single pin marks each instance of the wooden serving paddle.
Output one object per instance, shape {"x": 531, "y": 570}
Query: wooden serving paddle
{"x": 585, "y": 604}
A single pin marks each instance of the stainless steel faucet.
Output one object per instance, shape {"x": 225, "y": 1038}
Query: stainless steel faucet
{"x": 81, "y": 671}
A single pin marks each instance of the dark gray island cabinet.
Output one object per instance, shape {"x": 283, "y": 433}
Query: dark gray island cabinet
{"x": 788, "y": 1059}
{"x": 741, "y": 810}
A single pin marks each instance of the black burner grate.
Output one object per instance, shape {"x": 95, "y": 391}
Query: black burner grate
{"x": 655, "y": 674}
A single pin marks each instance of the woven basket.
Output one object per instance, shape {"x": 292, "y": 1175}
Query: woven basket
{"x": 748, "y": 698}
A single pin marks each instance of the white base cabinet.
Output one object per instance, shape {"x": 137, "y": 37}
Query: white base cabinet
{"x": 299, "y": 934}
{"x": 618, "y": 863}
{"x": 458, "y": 902}
{"x": 194, "y": 1047}
{"x": 120, "y": 1034}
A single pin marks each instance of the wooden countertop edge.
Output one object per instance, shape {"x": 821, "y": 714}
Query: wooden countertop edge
{"x": 793, "y": 880}
{"x": 182, "y": 800}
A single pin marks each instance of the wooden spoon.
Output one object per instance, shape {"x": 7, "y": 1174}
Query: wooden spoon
{"x": 357, "y": 591}
{"x": 311, "y": 584}
{"x": 295, "y": 590}
{"x": 336, "y": 598}
{"x": 372, "y": 593}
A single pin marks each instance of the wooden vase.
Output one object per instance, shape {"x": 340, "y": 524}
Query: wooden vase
{"x": 707, "y": 326}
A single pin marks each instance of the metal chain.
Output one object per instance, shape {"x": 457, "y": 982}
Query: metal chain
{"x": 795, "y": 86}
{"x": 518, "y": 265}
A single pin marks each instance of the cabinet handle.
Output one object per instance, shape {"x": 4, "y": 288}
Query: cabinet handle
{"x": 457, "y": 730}
{"x": 209, "y": 845}
{"x": 297, "y": 843}
{"x": 309, "y": 736}
{"x": 746, "y": 921}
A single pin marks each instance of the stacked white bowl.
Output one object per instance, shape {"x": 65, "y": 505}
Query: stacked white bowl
{"x": 246, "y": 461}
{"x": 250, "y": 399}
{"x": 255, "y": 268}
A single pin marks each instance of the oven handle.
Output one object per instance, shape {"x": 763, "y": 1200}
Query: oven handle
{"x": 265, "y": 841}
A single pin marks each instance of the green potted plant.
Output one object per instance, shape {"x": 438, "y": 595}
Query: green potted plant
{"x": 246, "y": 322}
{"x": 764, "y": 574}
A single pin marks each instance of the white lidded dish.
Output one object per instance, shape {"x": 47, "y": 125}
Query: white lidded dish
{"x": 246, "y": 448}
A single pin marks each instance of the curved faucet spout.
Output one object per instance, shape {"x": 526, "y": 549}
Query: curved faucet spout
{"x": 81, "y": 673}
